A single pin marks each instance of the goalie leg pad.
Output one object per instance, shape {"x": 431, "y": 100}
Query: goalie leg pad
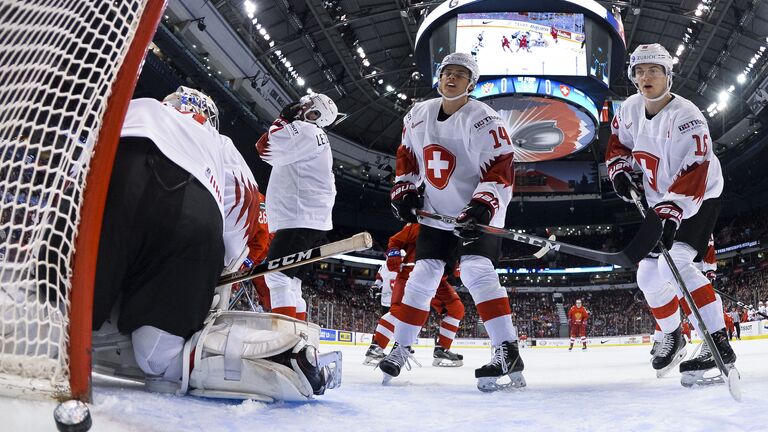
{"x": 267, "y": 357}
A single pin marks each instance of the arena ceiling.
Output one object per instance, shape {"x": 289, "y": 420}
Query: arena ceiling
{"x": 320, "y": 40}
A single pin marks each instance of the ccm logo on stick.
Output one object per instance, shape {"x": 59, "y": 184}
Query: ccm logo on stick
{"x": 289, "y": 259}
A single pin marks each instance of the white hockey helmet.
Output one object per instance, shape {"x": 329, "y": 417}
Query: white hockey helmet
{"x": 465, "y": 60}
{"x": 651, "y": 54}
{"x": 186, "y": 99}
{"x": 323, "y": 106}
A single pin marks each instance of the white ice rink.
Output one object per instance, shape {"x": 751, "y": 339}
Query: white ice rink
{"x": 601, "y": 389}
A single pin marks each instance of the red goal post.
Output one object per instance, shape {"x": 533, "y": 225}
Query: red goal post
{"x": 68, "y": 69}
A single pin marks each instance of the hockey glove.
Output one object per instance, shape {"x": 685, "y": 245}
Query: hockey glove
{"x": 476, "y": 212}
{"x": 291, "y": 111}
{"x": 620, "y": 173}
{"x": 711, "y": 276}
{"x": 671, "y": 215}
{"x": 394, "y": 260}
{"x": 405, "y": 198}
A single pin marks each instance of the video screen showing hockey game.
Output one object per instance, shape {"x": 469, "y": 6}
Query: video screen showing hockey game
{"x": 524, "y": 43}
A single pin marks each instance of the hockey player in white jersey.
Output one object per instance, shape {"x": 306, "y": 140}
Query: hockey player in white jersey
{"x": 458, "y": 149}
{"x": 667, "y": 138}
{"x": 182, "y": 203}
{"x": 301, "y": 191}
{"x": 384, "y": 280}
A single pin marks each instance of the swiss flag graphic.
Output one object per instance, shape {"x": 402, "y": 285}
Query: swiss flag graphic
{"x": 439, "y": 164}
{"x": 565, "y": 90}
{"x": 650, "y": 165}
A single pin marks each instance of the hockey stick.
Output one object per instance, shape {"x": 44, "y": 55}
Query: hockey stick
{"x": 639, "y": 247}
{"x": 539, "y": 254}
{"x": 357, "y": 242}
{"x": 739, "y": 303}
{"x": 734, "y": 385}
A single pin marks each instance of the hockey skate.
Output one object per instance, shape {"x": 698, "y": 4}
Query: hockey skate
{"x": 693, "y": 371}
{"x": 374, "y": 355}
{"x": 394, "y": 361}
{"x": 445, "y": 358}
{"x": 112, "y": 353}
{"x": 670, "y": 353}
{"x": 506, "y": 361}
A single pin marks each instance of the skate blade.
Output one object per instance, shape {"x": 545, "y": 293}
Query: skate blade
{"x": 734, "y": 383}
{"x": 447, "y": 363}
{"x": 697, "y": 378}
{"x": 371, "y": 361}
{"x": 217, "y": 394}
{"x": 491, "y": 384}
{"x": 387, "y": 379}
{"x": 661, "y": 373}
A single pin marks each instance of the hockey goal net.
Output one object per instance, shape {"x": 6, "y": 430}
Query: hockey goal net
{"x": 67, "y": 72}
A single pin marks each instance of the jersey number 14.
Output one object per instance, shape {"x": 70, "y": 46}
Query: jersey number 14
{"x": 500, "y": 135}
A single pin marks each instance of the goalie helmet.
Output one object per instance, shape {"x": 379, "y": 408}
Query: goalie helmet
{"x": 186, "y": 99}
{"x": 464, "y": 60}
{"x": 651, "y": 54}
{"x": 323, "y": 106}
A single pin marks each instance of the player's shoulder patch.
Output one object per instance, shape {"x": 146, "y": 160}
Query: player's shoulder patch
{"x": 687, "y": 117}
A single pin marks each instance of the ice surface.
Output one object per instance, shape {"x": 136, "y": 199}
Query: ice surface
{"x": 601, "y": 389}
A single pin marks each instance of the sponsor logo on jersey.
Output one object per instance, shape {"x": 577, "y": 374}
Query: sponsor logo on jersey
{"x": 486, "y": 121}
{"x": 628, "y": 125}
{"x": 650, "y": 165}
{"x": 439, "y": 164}
{"x": 413, "y": 125}
{"x": 688, "y": 126}
{"x": 293, "y": 129}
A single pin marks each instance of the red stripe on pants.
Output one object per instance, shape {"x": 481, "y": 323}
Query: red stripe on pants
{"x": 667, "y": 310}
{"x": 287, "y": 311}
{"x": 702, "y": 296}
{"x": 409, "y": 314}
{"x": 494, "y": 308}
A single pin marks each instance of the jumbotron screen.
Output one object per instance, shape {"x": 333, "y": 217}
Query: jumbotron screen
{"x": 524, "y": 43}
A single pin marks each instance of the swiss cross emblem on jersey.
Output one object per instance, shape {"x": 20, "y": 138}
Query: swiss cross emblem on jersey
{"x": 439, "y": 164}
{"x": 650, "y": 165}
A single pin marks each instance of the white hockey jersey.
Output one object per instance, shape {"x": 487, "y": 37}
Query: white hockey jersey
{"x": 301, "y": 190}
{"x": 467, "y": 156}
{"x": 209, "y": 156}
{"x": 673, "y": 149}
{"x": 384, "y": 280}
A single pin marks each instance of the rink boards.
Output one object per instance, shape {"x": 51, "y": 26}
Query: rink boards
{"x": 749, "y": 330}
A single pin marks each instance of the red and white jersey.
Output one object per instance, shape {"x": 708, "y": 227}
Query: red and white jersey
{"x": 673, "y": 150}
{"x": 578, "y": 315}
{"x": 467, "y": 156}
{"x": 301, "y": 189}
{"x": 241, "y": 206}
{"x": 384, "y": 280}
{"x": 709, "y": 262}
{"x": 197, "y": 148}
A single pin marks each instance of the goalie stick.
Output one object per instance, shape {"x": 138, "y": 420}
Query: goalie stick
{"x": 739, "y": 303}
{"x": 644, "y": 241}
{"x": 732, "y": 375}
{"x": 357, "y": 242}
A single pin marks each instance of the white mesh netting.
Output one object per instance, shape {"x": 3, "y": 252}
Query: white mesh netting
{"x": 58, "y": 62}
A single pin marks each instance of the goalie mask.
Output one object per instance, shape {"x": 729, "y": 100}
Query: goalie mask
{"x": 187, "y": 100}
{"x": 651, "y": 54}
{"x": 322, "y": 106}
{"x": 464, "y": 60}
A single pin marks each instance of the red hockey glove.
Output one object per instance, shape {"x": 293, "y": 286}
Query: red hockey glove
{"x": 394, "y": 259}
{"x": 671, "y": 215}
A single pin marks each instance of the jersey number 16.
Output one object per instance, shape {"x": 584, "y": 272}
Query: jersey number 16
{"x": 701, "y": 144}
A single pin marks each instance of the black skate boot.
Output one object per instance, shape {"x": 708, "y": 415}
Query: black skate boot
{"x": 693, "y": 370}
{"x": 506, "y": 361}
{"x": 670, "y": 352}
{"x": 394, "y": 361}
{"x": 374, "y": 355}
{"x": 445, "y": 358}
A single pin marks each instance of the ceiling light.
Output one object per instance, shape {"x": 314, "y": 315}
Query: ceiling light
{"x": 271, "y": 44}
{"x": 262, "y": 31}
{"x": 360, "y": 50}
{"x": 698, "y": 12}
{"x": 250, "y": 15}
{"x": 362, "y": 55}
{"x": 675, "y": 60}
{"x": 250, "y": 7}
{"x": 380, "y": 81}
{"x": 389, "y": 88}
{"x": 741, "y": 78}
{"x": 300, "y": 81}
{"x": 288, "y": 64}
{"x": 366, "y": 63}
{"x": 723, "y": 96}
{"x": 731, "y": 88}
{"x": 255, "y": 21}
{"x": 266, "y": 37}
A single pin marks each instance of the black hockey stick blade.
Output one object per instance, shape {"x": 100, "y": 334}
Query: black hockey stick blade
{"x": 357, "y": 242}
{"x": 638, "y": 248}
